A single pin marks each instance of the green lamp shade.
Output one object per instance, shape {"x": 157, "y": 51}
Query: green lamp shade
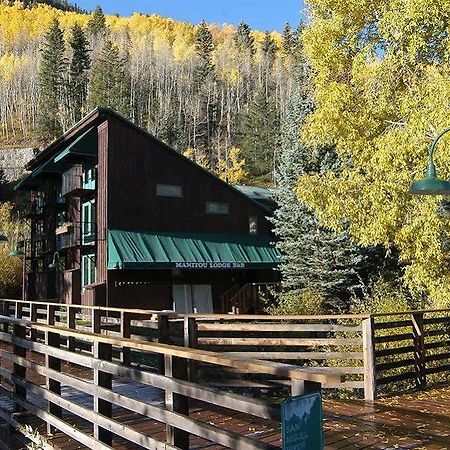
{"x": 16, "y": 252}
{"x": 53, "y": 266}
{"x": 430, "y": 186}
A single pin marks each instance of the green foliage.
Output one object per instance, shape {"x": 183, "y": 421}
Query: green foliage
{"x": 260, "y": 137}
{"x": 110, "y": 84}
{"x": 289, "y": 40}
{"x": 204, "y": 46}
{"x": 243, "y": 38}
{"x": 78, "y": 75}
{"x": 63, "y": 5}
{"x": 299, "y": 302}
{"x": 269, "y": 47}
{"x": 97, "y": 23}
{"x": 51, "y": 81}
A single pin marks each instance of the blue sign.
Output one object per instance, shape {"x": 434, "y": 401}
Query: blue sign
{"x": 302, "y": 423}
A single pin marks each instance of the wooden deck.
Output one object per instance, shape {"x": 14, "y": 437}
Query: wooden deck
{"x": 415, "y": 421}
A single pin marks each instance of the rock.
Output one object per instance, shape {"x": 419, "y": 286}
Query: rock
{"x": 13, "y": 161}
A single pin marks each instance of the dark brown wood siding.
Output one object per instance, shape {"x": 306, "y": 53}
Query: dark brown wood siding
{"x": 137, "y": 163}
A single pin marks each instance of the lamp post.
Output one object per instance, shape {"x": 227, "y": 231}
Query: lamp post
{"x": 431, "y": 184}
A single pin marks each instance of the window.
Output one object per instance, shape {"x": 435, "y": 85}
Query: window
{"x": 88, "y": 219}
{"x": 169, "y": 190}
{"x": 88, "y": 270}
{"x": 253, "y": 225}
{"x": 60, "y": 199}
{"x": 89, "y": 178}
{"x": 217, "y": 208}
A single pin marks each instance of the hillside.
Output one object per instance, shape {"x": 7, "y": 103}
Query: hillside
{"x": 63, "y": 5}
{"x": 209, "y": 108}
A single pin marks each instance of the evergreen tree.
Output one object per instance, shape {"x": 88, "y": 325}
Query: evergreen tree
{"x": 204, "y": 46}
{"x": 97, "y": 23}
{"x": 79, "y": 66}
{"x": 243, "y": 37}
{"x": 315, "y": 260}
{"x": 110, "y": 84}
{"x": 51, "y": 82}
{"x": 289, "y": 40}
{"x": 260, "y": 137}
{"x": 269, "y": 47}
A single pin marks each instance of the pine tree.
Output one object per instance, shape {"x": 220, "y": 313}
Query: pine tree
{"x": 110, "y": 84}
{"x": 243, "y": 37}
{"x": 289, "y": 40}
{"x": 204, "y": 46}
{"x": 78, "y": 75}
{"x": 97, "y": 23}
{"x": 315, "y": 260}
{"x": 269, "y": 47}
{"x": 260, "y": 137}
{"x": 51, "y": 82}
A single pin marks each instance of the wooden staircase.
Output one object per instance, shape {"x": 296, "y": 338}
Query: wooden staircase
{"x": 249, "y": 298}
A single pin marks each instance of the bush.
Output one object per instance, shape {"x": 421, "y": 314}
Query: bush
{"x": 298, "y": 302}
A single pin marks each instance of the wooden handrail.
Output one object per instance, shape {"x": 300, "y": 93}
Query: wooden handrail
{"x": 255, "y": 366}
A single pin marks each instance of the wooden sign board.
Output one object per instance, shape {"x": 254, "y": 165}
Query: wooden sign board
{"x": 302, "y": 423}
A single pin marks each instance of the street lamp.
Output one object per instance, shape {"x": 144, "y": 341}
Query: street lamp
{"x": 431, "y": 184}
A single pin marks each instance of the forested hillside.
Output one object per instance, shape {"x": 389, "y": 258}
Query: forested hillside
{"x": 219, "y": 92}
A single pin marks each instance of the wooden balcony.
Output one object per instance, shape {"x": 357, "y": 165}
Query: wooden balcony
{"x": 73, "y": 184}
{"x": 72, "y": 238}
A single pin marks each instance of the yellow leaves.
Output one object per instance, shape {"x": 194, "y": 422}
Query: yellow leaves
{"x": 10, "y": 65}
{"x": 381, "y": 108}
{"x": 230, "y": 168}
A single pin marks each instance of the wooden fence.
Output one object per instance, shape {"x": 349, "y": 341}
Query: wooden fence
{"x": 34, "y": 351}
{"x": 373, "y": 354}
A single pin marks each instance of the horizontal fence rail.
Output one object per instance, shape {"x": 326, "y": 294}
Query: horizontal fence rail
{"x": 34, "y": 356}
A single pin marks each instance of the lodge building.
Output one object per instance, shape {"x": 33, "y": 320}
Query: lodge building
{"x": 120, "y": 219}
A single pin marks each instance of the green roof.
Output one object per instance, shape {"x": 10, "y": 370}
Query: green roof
{"x": 84, "y": 145}
{"x": 151, "y": 250}
{"x": 265, "y": 197}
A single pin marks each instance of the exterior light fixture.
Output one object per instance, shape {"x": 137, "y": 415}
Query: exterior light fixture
{"x": 431, "y": 184}
{"x": 16, "y": 252}
{"x": 3, "y": 237}
{"x": 55, "y": 263}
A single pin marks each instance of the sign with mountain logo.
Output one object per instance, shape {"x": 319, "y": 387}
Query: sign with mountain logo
{"x": 301, "y": 422}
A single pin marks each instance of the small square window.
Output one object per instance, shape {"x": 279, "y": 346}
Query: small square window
{"x": 253, "y": 225}
{"x": 217, "y": 208}
{"x": 169, "y": 190}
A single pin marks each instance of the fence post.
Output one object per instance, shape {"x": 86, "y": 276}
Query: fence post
{"x": 176, "y": 368}
{"x": 52, "y": 340}
{"x": 33, "y": 318}
{"x": 125, "y": 332}
{"x": 191, "y": 341}
{"x": 303, "y": 387}
{"x": 419, "y": 350}
{"x": 103, "y": 352}
{"x": 19, "y": 371}
{"x": 72, "y": 325}
{"x": 163, "y": 338}
{"x": 368, "y": 341}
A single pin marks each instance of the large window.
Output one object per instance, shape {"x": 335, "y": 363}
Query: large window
{"x": 217, "y": 208}
{"x": 253, "y": 225}
{"x": 88, "y": 219}
{"x": 88, "y": 270}
{"x": 169, "y": 190}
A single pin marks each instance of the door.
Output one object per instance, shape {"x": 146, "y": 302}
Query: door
{"x": 188, "y": 298}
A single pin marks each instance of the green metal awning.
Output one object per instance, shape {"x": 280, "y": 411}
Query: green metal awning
{"x": 150, "y": 250}
{"x": 84, "y": 145}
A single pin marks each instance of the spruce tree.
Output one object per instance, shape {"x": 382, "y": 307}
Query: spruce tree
{"x": 97, "y": 23}
{"x": 51, "y": 82}
{"x": 260, "y": 137}
{"x": 315, "y": 260}
{"x": 269, "y": 47}
{"x": 204, "y": 46}
{"x": 110, "y": 84}
{"x": 78, "y": 75}
{"x": 243, "y": 37}
{"x": 289, "y": 40}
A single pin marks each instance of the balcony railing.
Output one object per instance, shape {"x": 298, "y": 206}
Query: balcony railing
{"x": 32, "y": 210}
{"x": 76, "y": 236}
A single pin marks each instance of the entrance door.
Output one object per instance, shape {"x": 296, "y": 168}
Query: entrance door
{"x": 188, "y": 298}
